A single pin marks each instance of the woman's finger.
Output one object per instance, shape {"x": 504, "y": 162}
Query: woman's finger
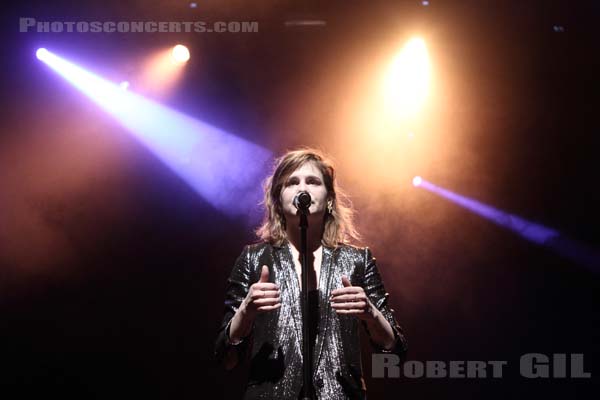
{"x": 265, "y": 286}
{"x": 270, "y": 293}
{"x": 263, "y": 294}
{"x": 268, "y": 301}
{"x": 347, "y": 290}
{"x": 269, "y": 308}
{"x": 348, "y": 297}
{"x": 359, "y": 305}
{"x": 350, "y": 312}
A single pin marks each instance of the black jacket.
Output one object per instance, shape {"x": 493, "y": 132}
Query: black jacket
{"x": 275, "y": 346}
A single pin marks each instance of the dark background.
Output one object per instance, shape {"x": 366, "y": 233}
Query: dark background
{"x": 113, "y": 270}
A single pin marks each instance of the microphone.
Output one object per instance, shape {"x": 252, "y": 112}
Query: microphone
{"x": 302, "y": 201}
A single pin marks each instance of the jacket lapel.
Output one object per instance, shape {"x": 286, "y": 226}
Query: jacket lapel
{"x": 289, "y": 282}
{"x": 325, "y": 291}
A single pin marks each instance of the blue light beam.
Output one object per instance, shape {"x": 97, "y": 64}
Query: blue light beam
{"x": 536, "y": 233}
{"x": 224, "y": 169}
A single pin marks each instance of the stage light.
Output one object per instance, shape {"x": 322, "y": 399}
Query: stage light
{"x": 224, "y": 169}
{"x": 305, "y": 22}
{"x": 417, "y": 181}
{"x": 180, "y": 53}
{"x": 41, "y": 53}
{"x": 124, "y": 85}
{"x": 162, "y": 71}
{"x": 406, "y": 83}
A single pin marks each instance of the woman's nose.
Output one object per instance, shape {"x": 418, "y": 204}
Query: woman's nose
{"x": 302, "y": 187}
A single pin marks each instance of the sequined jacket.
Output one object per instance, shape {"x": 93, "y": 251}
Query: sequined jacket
{"x": 274, "y": 348}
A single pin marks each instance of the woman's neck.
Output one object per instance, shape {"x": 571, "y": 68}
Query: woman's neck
{"x": 314, "y": 234}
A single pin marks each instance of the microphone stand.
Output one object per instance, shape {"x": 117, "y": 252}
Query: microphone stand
{"x": 306, "y": 344}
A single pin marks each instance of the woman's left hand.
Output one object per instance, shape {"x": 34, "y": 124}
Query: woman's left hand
{"x": 352, "y": 300}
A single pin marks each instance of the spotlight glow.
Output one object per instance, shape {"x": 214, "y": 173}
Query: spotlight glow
{"x": 224, "y": 169}
{"x": 417, "y": 181}
{"x": 180, "y": 53}
{"x": 41, "y": 53}
{"x": 160, "y": 73}
{"x": 406, "y": 83}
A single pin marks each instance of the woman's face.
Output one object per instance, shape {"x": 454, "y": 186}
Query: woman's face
{"x": 306, "y": 178}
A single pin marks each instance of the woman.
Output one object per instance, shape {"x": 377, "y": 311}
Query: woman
{"x": 263, "y": 318}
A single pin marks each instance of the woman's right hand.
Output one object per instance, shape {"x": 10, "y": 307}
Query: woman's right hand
{"x": 263, "y": 296}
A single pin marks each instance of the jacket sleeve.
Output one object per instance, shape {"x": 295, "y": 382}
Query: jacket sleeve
{"x": 373, "y": 287}
{"x": 238, "y": 284}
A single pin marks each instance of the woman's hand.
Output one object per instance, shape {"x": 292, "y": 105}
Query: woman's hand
{"x": 352, "y": 300}
{"x": 263, "y": 296}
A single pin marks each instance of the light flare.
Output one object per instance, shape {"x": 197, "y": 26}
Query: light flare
{"x": 224, "y": 169}
{"x": 407, "y": 80}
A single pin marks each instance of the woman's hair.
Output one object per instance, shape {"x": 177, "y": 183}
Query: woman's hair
{"x": 338, "y": 225}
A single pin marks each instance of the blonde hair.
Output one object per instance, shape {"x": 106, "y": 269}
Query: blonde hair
{"x": 338, "y": 225}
